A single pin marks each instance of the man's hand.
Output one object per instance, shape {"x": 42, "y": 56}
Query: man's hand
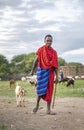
{"x": 56, "y": 80}
{"x": 56, "y": 73}
{"x": 34, "y": 66}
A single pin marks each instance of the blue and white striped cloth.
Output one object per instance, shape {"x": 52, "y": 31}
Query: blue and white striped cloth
{"x": 42, "y": 81}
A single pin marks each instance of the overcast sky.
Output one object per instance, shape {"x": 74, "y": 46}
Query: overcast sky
{"x": 24, "y": 24}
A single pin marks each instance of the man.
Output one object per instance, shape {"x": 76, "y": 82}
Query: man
{"x": 61, "y": 74}
{"x": 47, "y": 62}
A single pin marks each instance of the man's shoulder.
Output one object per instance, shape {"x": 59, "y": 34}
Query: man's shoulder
{"x": 40, "y": 48}
{"x": 54, "y": 50}
{"x": 43, "y": 47}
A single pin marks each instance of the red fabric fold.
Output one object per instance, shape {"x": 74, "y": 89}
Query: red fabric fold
{"x": 48, "y": 59}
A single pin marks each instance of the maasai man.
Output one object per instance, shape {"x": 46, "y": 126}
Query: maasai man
{"x": 47, "y": 62}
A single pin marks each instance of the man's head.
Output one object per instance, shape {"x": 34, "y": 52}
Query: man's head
{"x": 48, "y": 40}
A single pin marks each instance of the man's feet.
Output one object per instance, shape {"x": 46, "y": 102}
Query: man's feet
{"x": 35, "y": 109}
{"x": 51, "y": 113}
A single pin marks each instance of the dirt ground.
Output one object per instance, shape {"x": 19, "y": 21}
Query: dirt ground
{"x": 69, "y": 115}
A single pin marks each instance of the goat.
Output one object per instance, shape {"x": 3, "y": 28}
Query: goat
{"x": 70, "y": 82}
{"x": 20, "y": 93}
{"x": 12, "y": 83}
{"x": 64, "y": 80}
{"x": 33, "y": 80}
{"x": 23, "y": 79}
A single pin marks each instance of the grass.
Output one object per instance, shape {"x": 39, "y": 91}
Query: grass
{"x": 3, "y": 127}
{"x": 6, "y": 91}
{"x": 77, "y": 91}
{"x": 62, "y": 90}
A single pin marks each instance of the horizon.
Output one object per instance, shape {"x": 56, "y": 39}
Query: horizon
{"x": 9, "y": 60}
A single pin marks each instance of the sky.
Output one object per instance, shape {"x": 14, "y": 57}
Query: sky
{"x": 24, "y": 24}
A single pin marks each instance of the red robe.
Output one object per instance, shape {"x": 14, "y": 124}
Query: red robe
{"x": 48, "y": 59}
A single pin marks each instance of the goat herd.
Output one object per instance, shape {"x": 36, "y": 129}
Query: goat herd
{"x": 20, "y": 92}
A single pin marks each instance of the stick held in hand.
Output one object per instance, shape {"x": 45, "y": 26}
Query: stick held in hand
{"x": 53, "y": 102}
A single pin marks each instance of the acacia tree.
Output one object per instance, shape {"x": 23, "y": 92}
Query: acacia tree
{"x": 22, "y": 63}
{"x": 17, "y": 64}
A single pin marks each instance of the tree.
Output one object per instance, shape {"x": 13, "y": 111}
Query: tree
{"x": 17, "y": 64}
{"x": 29, "y": 62}
{"x": 4, "y": 67}
{"x": 76, "y": 64}
{"x": 61, "y": 61}
{"x": 22, "y": 63}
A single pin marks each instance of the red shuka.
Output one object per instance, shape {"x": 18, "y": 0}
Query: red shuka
{"x": 48, "y": 59}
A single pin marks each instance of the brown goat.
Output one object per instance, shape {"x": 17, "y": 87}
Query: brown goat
{"x": 12, "y": 83}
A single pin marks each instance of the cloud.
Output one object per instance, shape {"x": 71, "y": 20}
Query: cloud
{"x": 24, "y": 23}
{"x": 14, "y": 3}
{"x": 73, "y": 56}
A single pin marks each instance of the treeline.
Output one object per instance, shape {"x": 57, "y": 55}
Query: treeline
{"x": 22, "y": 64}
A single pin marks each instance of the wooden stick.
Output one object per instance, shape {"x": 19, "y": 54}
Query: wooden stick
{"x": 53, "y": 102}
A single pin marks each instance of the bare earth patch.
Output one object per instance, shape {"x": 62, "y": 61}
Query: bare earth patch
{"x": 69, "y": 115}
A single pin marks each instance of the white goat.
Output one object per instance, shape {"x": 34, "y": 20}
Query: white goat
{"x": 33, "y": 80}
{"x": 23, "y": 79}
{"x": 20, "y": 93}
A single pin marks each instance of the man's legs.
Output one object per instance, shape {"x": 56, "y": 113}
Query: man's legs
{"x": 37, "y": 105}
{"x": 49, "y": 109}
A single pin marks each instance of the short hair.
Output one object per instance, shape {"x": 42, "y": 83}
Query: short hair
{"x": 48, "y": 35}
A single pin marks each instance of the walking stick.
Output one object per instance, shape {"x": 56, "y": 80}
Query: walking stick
{"x": 53, "y": 102}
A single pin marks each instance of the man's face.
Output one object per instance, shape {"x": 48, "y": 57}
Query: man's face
{"x": 48, "y": 41}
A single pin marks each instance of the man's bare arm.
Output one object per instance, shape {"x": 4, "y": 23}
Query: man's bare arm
{"x": 34, "y": 65}
{"x": 56, "y": 73}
